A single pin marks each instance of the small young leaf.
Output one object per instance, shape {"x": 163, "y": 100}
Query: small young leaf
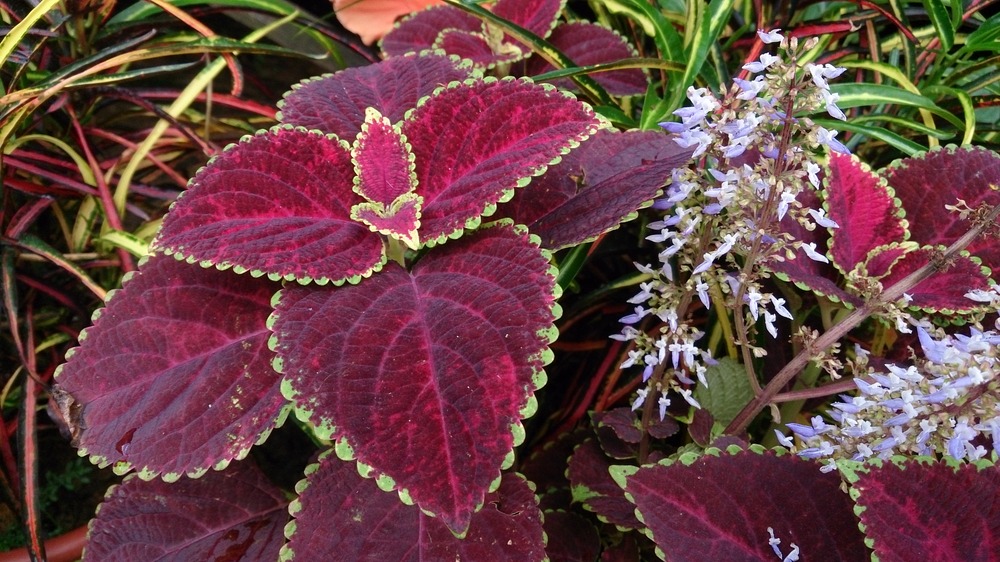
{"x": 425, "y": 373}
{"x": 340, "y": 512}
{"x": 382, "y": 161}
{"x": 719, "y": 507}
{"x": 175, "y": 375}
{"x": 236, "y": 514}
{"x": 475, "y": 143}
{"x": 337, "y": 103}
{"x": 476, "y": 47}
{"x": 919, "y": 509}
{"x": 275, "y": 204}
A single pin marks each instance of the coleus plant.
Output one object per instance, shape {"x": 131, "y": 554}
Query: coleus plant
{"x": 463, "y": 34}
{"x": 892, "y": 223}
{"x": 340, "y": 266}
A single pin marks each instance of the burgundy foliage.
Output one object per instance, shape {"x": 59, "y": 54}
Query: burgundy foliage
{"x": 458, "y": 33}
{"x": 424, "y": 372}
{"x": 610, "y": 176}
{"x": 178, "y": 343}
{"x": 420, "y": 367}
{"x": 720, "y": 507}
{"x": 224, "y": 516}
{"x": 895, "y": 223}
{"x": 920, "y": 510}
{"x": 340, "y": 512}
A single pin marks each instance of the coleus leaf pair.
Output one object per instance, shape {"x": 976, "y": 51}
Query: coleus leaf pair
{"x": 407, "y": 332}
{"x": 893, "y": 223}
{"x": 462, "y": 34}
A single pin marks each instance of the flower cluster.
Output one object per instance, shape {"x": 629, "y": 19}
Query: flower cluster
{"x": 945, "y": 403}
{"x": 754, "y": 153}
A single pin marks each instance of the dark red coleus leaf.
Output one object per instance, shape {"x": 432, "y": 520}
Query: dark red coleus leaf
{"x": 475, "y": 46}
{"x": 719, "y": 507}
{"x": 596, "y": 490}
{"x": 340, "y": 515}
{"x": 606, "y": 180}
{"x": 419, "y": 31}
{"x": 233, "y": 515}
{"x": 337, "y": 103}
{"x": 475, "y": 143}
{"x": 571, "y": 538}
{"x": 944, "y": 290}
{"x": 926, "y": 184}
{"x": 425, "y": 373}
{"x": 546, "y": 466}
{"x": 537, "y": 16}
{"x": 458, "y": 33}
{"x": 588, "y": 44}
{"x": 175, "y": 375}
{"x": 919, "y": 509}
{"x": 873, "y": 242}
{"x": 278, "y": 204}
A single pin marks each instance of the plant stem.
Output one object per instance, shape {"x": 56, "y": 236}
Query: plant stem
{"x": 742, "y": 420}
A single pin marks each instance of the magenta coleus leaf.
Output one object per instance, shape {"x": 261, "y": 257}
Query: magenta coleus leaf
{"x": 588, "y": 44}
{"x": 475, "y": 46}
{"x": 419, "y": 31}
{"x": 337, "y": 103}
{"x": 926, "y": 184}
{"x": 944, "y": 290}
{"x": 509, "y": 131}
{"x": 537, "y": 16}
{"x": 233, "y": 515}
{"x": 607, "y": 179}
{"x": 922, "y": 509}
{"x": 865, "y": 208}
{"x": 277, "y": 203}
{"x": 719, "y": 507}
{"x": 175, "y": 375}
{"x": 386, "y": 180}
{"x": 382, "y": 161}
{"x": 340, "y": 512}
{"x": 425, "y": 373}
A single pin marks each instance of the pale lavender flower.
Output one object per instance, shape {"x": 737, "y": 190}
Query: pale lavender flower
{"x": 766, "y": 60}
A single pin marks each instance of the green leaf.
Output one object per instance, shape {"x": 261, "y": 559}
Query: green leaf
{"x": 38, "y": 246}
{"x": 127, "y": 241}
{"x": 984, "y": 38}
{"x": 894, "y": 140}
{"x": 728, "y": 390}
{"x": 15, "y": 35}
{"x": 860, "y": 95}
{"x": 708, "y": 24}
{"x": 941, "y": 20}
